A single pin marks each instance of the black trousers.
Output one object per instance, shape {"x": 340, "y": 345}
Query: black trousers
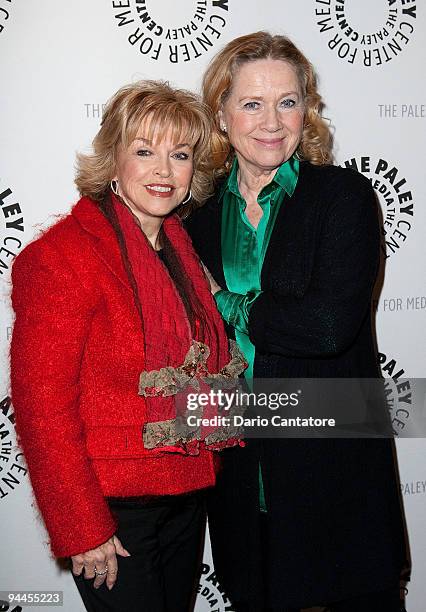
{"x": 164, "y": 537}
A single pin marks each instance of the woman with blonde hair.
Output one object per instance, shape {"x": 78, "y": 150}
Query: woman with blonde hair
{"x": 114, "y": 320}
{"x": 293, "y": 249}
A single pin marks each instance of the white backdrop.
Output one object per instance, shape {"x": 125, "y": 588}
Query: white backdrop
{"x": 60, "y": 61}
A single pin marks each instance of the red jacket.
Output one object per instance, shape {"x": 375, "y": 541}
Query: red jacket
{"x": 76, "y": 356}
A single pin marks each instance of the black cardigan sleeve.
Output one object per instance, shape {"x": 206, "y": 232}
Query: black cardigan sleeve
{"x": 326, "y": 319}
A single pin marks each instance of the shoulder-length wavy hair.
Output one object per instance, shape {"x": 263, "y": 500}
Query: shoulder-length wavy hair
{"x": 316, "y": 143}
{"x": 166, "y": 110}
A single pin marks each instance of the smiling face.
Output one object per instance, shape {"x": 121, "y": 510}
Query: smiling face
{"x": 154, "y": 176}
{"x": 263, "y": 114}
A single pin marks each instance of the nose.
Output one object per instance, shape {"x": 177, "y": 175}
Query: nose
{"x": 163, "y": 167}
{"x": 271, "y": 119}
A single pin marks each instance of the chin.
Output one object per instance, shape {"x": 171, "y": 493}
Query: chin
{"x": 163, "y": 211}
{"x": 270, "y": 161}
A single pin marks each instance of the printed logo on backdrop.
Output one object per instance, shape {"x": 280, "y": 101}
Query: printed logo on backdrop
{"x": 400, "y": 303}
{"x": 4, "y": 14}
{"x": 11, "y": 237}
{"x": 402, "y": 111}
{"x": 177, "y": 32}
{"x": 12, "y": 465}
{"x": 413, "y": 487}
{"x": 93, "y": 111}
{"x": 364, "y": 32}
{"x": 398, "y": 393}
{"x": 210, "y": 595}
{"x": 395, "y": 196}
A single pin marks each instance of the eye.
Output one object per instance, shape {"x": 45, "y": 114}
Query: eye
{"x": 143, "y": 152}
{"x": 181, "y": 156}
{"x": 251, "y": 105}
{"x": 288, "y": 103}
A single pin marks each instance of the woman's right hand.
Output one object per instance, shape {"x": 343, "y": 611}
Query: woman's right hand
{"x": 100, "y": 563}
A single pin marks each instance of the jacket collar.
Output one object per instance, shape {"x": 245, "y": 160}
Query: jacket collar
{"x": 90, "y": 218}
{"x": 105, "y": 243}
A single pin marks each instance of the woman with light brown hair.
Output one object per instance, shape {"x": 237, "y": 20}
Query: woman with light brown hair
{"x": 292, "y": 246}
{"x": 114, "y": 320}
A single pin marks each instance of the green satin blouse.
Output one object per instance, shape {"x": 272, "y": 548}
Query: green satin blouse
{"x": 243, "y": 252}
{"x": 244, "y": 248}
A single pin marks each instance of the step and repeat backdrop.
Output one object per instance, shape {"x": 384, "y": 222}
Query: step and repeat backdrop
{"x": 61, "y": 61}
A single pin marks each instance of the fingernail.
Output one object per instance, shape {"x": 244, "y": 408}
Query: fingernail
{"x": 110, "y": 586}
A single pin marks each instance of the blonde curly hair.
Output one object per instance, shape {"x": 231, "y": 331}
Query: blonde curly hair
{"x": 316, "y": 143}
{"x": 163, "y": 108}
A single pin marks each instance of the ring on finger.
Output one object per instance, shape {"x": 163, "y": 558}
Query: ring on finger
{"x": 101, "y": 573}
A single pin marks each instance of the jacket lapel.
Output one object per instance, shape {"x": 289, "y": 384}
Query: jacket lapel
{"x": 205, "y": 227}
{"x": 216, "y": 265}
{"x": 291, "y": 245}
{"x": 104, "y": 241}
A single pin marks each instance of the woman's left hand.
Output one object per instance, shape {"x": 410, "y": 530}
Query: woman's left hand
{"x": 214, "y": 287}
{"x": 103, "y": 557}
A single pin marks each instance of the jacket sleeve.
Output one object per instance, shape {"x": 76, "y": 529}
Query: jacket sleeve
{"x": 325, "y": 320}
{"x": 53, "y": 316}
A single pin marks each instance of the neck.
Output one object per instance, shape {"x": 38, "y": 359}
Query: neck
{"x": 252, "y": 179}
{"x": 153, "y": 235}
{"x": 151, "y": 229}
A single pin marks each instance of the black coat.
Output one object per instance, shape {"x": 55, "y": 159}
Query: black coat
{"x": 334, "y": 527}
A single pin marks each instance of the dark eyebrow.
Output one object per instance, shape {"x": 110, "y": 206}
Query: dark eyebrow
{"x": 250, "y": 98}
{"x": 178, "y": 146}
{"x": 287, "y": 93}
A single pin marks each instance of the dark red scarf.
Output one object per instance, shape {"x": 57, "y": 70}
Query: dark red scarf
{"x": 167, "y": 331}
